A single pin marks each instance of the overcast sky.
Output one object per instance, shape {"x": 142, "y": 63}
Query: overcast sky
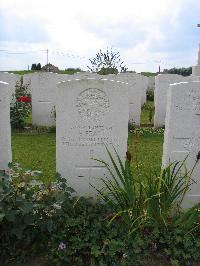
{"x": 145, "y": 32}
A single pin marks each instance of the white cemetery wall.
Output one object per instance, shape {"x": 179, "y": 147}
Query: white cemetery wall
{"x": 87, "y": 118}
{"x": 182, "y": 132}
{"x": 5, "y": 131}
{"x": 162, "y": 82}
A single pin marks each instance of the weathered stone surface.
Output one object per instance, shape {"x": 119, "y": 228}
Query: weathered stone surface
{"x": 5, "y": 131}
{"x": 90, "y": 114}
{"x": 182, "y": 132}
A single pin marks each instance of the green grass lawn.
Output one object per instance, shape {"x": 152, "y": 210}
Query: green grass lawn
{"x": 38, "y": 152}
{"x": 35, "y": 152}
{"x": 146, "y": 153}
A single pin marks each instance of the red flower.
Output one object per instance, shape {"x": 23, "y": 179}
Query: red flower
{"x": 24, "y": 99}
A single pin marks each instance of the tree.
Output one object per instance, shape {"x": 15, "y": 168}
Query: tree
{"x": 38, "y": 67}
{"x": 33, "y": 67}
{"x": 108, "y": 62}
{"x": 180, "y": 71}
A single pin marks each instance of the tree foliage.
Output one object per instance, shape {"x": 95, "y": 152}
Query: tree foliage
{"x": 180, "y": 71}
{"x": 36, "y": 66}
{"x": 108, "y": 62}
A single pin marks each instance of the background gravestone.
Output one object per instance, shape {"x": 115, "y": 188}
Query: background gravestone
{"x": 162, "y": 82}
{"x": 5, "y": 130}
{"x": 44, "y": 91}
{"x": 182, "y": 132}
{"x": 90, "y": 114}
{"x": 11, "y": 79}
{"x": 135, "y": 92}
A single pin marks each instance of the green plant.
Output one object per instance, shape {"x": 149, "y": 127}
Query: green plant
{"x": 20, "y": 106}
{"x": 35, "y": 217}
{"x": 28, "y": 209}
{"x": 140, "y": 201}
{"x": 123, "y": 192}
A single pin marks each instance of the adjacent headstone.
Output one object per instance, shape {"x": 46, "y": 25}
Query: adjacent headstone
{"x": 144, "y": 89}
{"x": 136, "y": 88}
{"x": 196, "y": 69}
{"x": 151, "y": 83}
{"x": 5, "y": 131}
{"x": 162, "y": 82}
{"x": 182, "y": 132}
{"x": 44, "y": 91}
{"x": 11, "y": 79}
{"x": 90, "y": 114}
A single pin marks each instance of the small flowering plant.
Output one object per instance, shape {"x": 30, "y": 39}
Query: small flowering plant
{"x": 62, "y": 246}
{"x": 20, "y": 107}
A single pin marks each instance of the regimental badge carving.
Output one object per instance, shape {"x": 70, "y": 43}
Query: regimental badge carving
{"x": 193, "y": 144}
{"x": 92, "y": 103}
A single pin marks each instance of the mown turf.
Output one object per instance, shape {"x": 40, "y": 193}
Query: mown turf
{"x": 38, "y": 152}
{"x": 146, "y": 153}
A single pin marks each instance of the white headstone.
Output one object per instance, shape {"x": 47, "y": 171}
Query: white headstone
{"x": 90, "y": 114}
{"x": 5, "y": 131}
{"x": 135, "y": 84}
{"x": 151, "y": 83}
{"x": 196, "y": 69}
{"x": 162, "y": 82}
{"x": 44, "y": 91}
{"x": 11, "y": 79}
{"x": 144, "y": 89}
{"x": 182, "y": 132}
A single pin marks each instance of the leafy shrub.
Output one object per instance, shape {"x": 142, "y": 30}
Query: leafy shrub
{"x": 35, "y": 216}
{"x": 20, "y": 107}
{"x": 138, "y": 219}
